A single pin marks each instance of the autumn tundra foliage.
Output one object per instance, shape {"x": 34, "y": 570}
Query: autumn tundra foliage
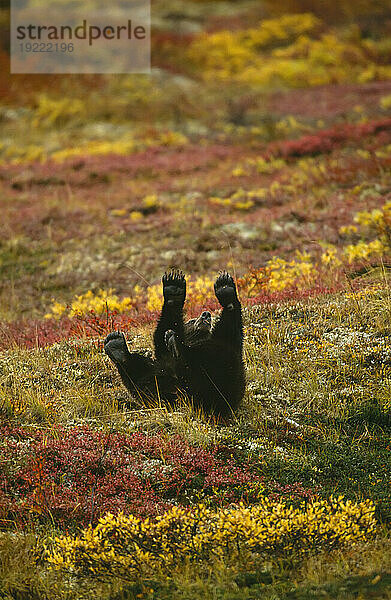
{"x": 259, "y": 145}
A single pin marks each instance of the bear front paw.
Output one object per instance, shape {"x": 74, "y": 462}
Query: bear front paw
{"x": 116, "y": 347}
{"x": 225, "y": 290}
{"x": 174, "y": 287}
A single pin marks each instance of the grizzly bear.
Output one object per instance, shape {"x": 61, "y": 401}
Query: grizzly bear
{"x": 202, "y": 361}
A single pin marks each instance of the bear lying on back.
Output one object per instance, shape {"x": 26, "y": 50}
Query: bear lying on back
{"x": 202, "y": 361}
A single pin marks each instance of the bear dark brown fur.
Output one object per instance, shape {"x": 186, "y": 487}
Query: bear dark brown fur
{"x": 194, "y": 358}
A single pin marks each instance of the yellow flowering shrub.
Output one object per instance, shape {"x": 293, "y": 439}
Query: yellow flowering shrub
{"x": 260, "y": 165}
{"x": 124, "y": 146}
{"x": 151, "y": 201}
{"x": 96, "y": 148}
{"x": 239, "y": 200}
{"x": 118, "y": 212}
{"x": 348, "y": 230}
{"x": 200, "y": 288}
{"x": 243, "y": 205}
{"x": 54, "y": 111}
{"x": 131, "y": 548}
{"x": 374, "y": 72}
{"x": 279, "y": 274}
{"x": 29, "y": 152}
{"x": 364, "y": 250}
{"x": 228, "y": 53}
{"x": 291, "y": 125}
{"x": 220, "y": 201}
{"x": 385, "y": 102}
{"x": 282, "y": 274}
{"x": 98, "y": 303}
{"x": 329, "y": 256}
{"x": 281, "y": 52}
{"x": 378, "y": 221}
{"x": 379, "y": 218}
{"x": 155, "y": 297}
{"x": 246, "y": 199}
{"x": 328, "y": 51}
{"x": 135, "y": 215}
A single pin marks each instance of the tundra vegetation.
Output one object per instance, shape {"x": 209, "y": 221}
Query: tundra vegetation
{"x": 260, "y": 144}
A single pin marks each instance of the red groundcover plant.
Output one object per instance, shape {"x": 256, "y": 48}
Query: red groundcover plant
{"x": 327, "y": 140}
{"x": 45, "y": 332}
{"x": 73, "y": 476}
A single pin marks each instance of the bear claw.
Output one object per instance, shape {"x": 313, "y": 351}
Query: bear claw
{"x": 225, "y": 290}
{"x": 174, "y": 287}
{"x": 171, "y": 343}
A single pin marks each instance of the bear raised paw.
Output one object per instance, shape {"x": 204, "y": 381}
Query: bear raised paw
{"x": 116, "y": 347}
{"x": 174, "y": 287}
{"x": 194, "y": 358}
{"x": 225, "y": 290}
